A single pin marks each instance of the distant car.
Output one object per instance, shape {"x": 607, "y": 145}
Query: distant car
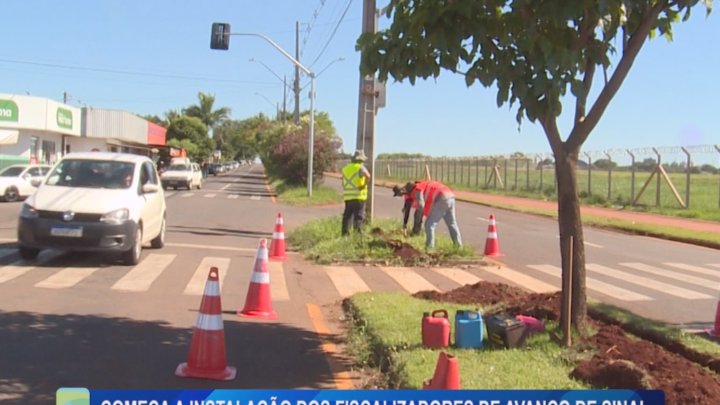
{"x": 95, "y": 201}
{"x": 187, "y": 175}
{"x": 16, "y": 180}
{"x": 215, "y": 169}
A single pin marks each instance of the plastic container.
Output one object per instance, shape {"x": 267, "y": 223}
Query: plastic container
{"x": 506, "y": 331}
{"x": 468, "y": 329}
{"x": 436, "y": 329}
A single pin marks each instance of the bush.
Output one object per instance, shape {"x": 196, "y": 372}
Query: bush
{"x": 288, "y": 158}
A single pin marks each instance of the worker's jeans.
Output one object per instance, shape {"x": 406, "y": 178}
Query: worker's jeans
{"x": 354, "y": 215}
{"x": 443, "y": 207}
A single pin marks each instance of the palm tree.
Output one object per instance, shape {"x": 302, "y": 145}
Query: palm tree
{"x": 204, "y": 111}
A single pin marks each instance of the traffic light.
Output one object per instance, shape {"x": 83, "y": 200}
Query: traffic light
{"x": 220, "y": 36}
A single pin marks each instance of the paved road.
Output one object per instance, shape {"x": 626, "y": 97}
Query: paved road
{"x": 85, "y": 320}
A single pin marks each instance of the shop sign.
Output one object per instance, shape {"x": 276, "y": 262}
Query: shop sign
{"x": 64, "y": 118}
{"x": 8, "y": 111}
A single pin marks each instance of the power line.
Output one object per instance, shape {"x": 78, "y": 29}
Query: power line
{"x": 126, "y": 72}
{"x": 311, "y": 24}
{"x": 332, "y": 35}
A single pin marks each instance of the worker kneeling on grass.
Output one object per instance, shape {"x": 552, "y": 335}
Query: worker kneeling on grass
{"x": 433, "y": 200}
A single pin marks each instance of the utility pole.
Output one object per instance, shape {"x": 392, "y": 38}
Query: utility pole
{"x": 366, "y": 109}
{"x": 297, "y": 73}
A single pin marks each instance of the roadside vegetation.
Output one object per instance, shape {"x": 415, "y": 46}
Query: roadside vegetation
{"x": 298, "y": 196}
{"x": 381, "y": 242}
{"x": 385, "y": 341}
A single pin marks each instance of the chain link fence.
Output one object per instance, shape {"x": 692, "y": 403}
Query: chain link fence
{"x": 663, "y": 177}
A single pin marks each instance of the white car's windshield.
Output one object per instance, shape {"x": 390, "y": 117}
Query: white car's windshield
{"x": 179, "y": 168}
{"x": 92, "y": 174}
{"x": 12, "y": 172}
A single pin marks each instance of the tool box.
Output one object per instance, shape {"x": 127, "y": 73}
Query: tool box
{"x": 504, "y": 330}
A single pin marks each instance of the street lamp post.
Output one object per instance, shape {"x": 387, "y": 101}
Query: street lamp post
{"x": 286, "y": 86}
{"x": 220, "y": 40}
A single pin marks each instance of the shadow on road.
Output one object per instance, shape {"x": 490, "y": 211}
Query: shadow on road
{"x": 218, "y": 232}
{"x": 41, "y": 353}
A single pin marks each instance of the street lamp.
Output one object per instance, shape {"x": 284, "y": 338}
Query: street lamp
{"x": 220, "y": 39}
{"x": 277, "y": 109}
{"x": 282, "y": 79}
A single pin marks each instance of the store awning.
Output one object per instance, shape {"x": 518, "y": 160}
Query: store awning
{"x": 9, "y": 136}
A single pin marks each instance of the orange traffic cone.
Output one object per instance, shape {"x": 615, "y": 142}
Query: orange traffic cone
{"x": 492, "y": 246}
{"x": 206, "y": 358}
{"x": 277, "y": 245}
{"x": 446, "y": 376}
{"x": 715, "y": 331}
{"x": 257, "y": 301}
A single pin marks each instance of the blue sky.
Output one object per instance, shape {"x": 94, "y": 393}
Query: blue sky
{"x": 148, "y": 57}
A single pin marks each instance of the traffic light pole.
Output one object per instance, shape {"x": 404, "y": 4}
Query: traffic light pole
{"x": 219, "y": 39}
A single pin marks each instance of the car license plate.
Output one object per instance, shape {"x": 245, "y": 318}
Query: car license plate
{"x": 67, "y": 231}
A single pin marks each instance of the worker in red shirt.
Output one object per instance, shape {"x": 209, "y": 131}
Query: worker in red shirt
{"x": 432, "y": 200}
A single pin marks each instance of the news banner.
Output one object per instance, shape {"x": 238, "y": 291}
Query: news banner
{"x": 82, "y": 396}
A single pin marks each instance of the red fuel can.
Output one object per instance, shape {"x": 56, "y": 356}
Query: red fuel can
{"x": 436, "y": 329}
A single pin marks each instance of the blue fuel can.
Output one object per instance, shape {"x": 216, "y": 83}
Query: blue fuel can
{"x": 468, "y": 329}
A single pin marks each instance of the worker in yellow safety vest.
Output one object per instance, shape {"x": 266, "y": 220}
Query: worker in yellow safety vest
{"x": 355, "y": 179}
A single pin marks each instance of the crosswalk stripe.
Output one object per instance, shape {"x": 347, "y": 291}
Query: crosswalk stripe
{"x": 695, "y": 269}
{"x": 278, "y": 285}
{"x": 522, "y": 280}
{"x": 20, "y": 267}
{"x": 211, "y": 195}
{"x": 144, "y": 274}
{"x": 715, "y": 265}
{"x": 12, "y": 271}
{"x": 595, "y": 285}
{"x": 67, "y": 277}
{"x": 461, "y": 277}
{"x": 408, "y": 279}
{"x": 233, "y": 196}
{"x": 186, "y": 195}
{"x": 647, "y": 282}
{"x": 702, "y": 282}
{"x": 196, "y": 286}
{"x": 346, "y": 280}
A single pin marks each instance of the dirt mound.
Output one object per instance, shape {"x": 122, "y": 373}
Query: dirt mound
{"x": 621, "y": 362}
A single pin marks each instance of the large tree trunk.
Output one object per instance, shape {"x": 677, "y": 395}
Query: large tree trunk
{"x": 570, "y": 223}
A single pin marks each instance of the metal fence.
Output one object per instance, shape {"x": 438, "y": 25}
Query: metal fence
{"x": 667, "y": 177}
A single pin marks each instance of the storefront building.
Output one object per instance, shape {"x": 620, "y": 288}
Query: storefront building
{"x": 39, "y": 130}
{"x": 35, "y": 129}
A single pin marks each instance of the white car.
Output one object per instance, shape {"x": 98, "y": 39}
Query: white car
{"x": 98, "y": 202}
{"x": 16, "y": 180}
{"x": 187, "y": 175}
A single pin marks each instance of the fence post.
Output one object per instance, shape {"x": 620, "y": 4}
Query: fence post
{"x": 632, "y": 177}
{"x": 477, "y": 172}
{"x": 688, "y": 164}
{"x": 455, "y": 161}
{"x": 505, "y": 176}
{"x": 527, "y": 175}
{"x": 516, "y": 174}
{"x": 657, "y": 191}
{"x": 717, "y": 148}
{"x": 610, "y": 167}
{"x": 589, "y": 158}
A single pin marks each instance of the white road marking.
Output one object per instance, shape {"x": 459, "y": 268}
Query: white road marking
{"x": 461, "y": 277}
{"x": 702, "y": 282}
{"x": 67, "y": 277}
{"x": 225, "y": 187}
{"x": 523, "y": 280}
{"x": 196, "y": 286}
{"x": 595, "y": 285}
{"x": 647, "y": 282}
{"x": 346, "y": 280}
{"x": 186, "y": 195}
{"x": 255, "y": 197}
{"x": 211, "y": 195}
{"x": 586, "y": 243}
{"x": 694, "y": 269}
{"x": 233, "y": 196}
{"x": 408, "y": 279}
{"x": 278, "y": 285}
{"x": 20, "y": 267}
{"x": 141, "y": 277}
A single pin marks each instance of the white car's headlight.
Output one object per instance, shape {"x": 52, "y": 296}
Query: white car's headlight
{"x": 28, "y": 212}
{"x": 116, "y": 217}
